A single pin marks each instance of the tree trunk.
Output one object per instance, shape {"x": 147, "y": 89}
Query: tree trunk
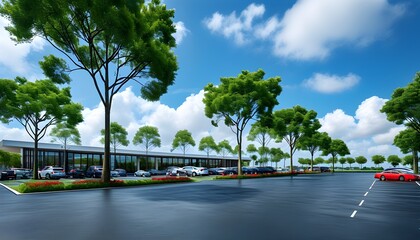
{"x": 106, "y": 175}
{"x": 35, "y": 165}
{"x": 239, "y": 140}
{"x": 291, "y": 160}
{"x": 415, "y": 162}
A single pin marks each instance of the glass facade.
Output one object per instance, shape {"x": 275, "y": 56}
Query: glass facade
{"x": 71, "y": 159}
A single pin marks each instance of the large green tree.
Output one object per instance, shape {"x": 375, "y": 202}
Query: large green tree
{"x": 292, "y": 124}
{"x": 207, "y": 144}
{"x": 9, "y": 159}
{"x": 224, "y": 148}
{"x": 65, "y": 134}
{"x": 404, "y": 105}
{"x": 314, "y": 143}
{"x": 183, "y": 140}
{"x": 238, "y": 100}
{"x": 118, "y": 138}
{"x": 263, "y": 135}
{"x": 394, "y": 160}
{"x": 37, "y": 106}
{"x": 113, "y": 42}
{"x": 408, "y": 140}
{"x": 149, "y": 137}
{"x": 337, "y": 148}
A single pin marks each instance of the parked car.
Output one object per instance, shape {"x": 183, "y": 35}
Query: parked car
{"x": 142, "y": 173}
{"x": 397, "y": 175}
{"x": 22, "y": 173}
{"x": 175, "y": 171}
{"x": 121, "y": 172}
{"x": 76, "y": 173}
{"x": 8, "y": 175}
{"x": 250, "y": 170}
{"x": 156, "y": 172}
{"x": 266, "y": 170}
{"x": 51, "y": 172}
{"x": 114, "y": 173}
{"x": 196, "y": 171}
{"x": 230, "y": 171}
{"x": 94, "y": 172}
{"x": 216, "y": 171}
{"x": 400, "y": 168}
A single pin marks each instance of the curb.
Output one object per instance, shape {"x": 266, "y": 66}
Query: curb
{"x": 10, "y": 189}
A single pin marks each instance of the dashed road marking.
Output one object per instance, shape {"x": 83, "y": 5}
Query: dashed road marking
{"x": 371, "y": 186}
{"x": 418, "y": 183}
{"x": 353, "y": 214}
{"x": 366, "y": 194}
{"x": 360, "y": 204}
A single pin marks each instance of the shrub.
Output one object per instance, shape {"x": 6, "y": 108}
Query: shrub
{"x": 246, "y": 176}
{"x": 40, "y": 186}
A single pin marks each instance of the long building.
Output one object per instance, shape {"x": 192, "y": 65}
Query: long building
{"x": 81, "y": 157}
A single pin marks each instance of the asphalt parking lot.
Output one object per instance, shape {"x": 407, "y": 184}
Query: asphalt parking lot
{"x": 334, "y": 206}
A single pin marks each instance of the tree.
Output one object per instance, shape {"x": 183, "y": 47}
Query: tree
{"x": 314, "y": 143}
{"x": 224, "y": 148}
{"x": 408, "y": 140}
{"x": 350, "y": 161}
{"x": 304, "y": 161}
{"x": 394, "y": 160}
{"x": 118, "y": 138}
{"x": 263, "y": 135}
{"x": 318, "y": 160}
{"x": 238, "y": 100}
{"x": 150, "y": 138}
{"x": 292, "y": 124}
{"x": 378, "y": 159}
{"x": 37, "y": 106}
{"x": 407, "y": 160}
{"x": 337, "y": 147}
{"x": 113, "y": 42}
{"x": 361, "y": 160}
{"x": 207, "y": 144}
{"x": 65, "y": 134}
{"x": 183, "y": 139}
{"x": 404, "y": 105}
{"x": 342, "y": 160}
{"x": 9, "y": 159}
{"x": 276, "y": 155}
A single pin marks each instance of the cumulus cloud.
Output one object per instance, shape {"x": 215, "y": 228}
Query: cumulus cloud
{"x": 311, "y": 29}
{"x": 326, "y": 83}
{"x": 181, "y": 32}
{"x": 237, "y": 27}
{"x": 14, "y": 56}
{"x": 366, "y": 133}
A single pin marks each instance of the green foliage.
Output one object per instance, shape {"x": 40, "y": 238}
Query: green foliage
{"x": 207, "y": 144}
{"x": 183, "y": 139}
{"x": 9, "y": 159}
{"x": 114, "y": 42}
{"x": 224, "y": 148}
{"x": 148, "y": 136}
{"x": 314, "y": 142}
{"x": 361, "y": 160}
{"x": 350, "y": 161}
{"x": 408, "y": 140}
{"x": 292, "y": 124}
{"x": 394, "y": 160}
{"x": 318, "y": 160}
{"x": 66, "y": 134}
{"x": 337, "y": 147}
{"x": 237, "y": 100}
{"x": 378, "y": 159}
{"x": 118, "y": 135}
{"x": 404, "y": 105}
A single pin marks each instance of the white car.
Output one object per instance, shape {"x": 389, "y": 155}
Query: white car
{"x": 196, "y": 171}
{"x": 50, "y": 172}
{"x": 142, "y": 173}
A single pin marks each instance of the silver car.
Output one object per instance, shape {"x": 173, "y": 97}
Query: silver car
{"x": 196, "y": 171}
{"x": 142, "y": 173}
{"x": 50, "y": 172}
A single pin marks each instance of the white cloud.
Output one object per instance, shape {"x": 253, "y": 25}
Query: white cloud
{"x": 311, "y": 29}
{"x": 367, "y": 133}
{"x": 13, "y": 56}
{"x": 237, "y": 27}
{"x": 181, "y": 32}
{"x": 326, "y": 83}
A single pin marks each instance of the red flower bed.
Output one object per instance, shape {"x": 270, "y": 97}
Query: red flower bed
{"x": 43, "y": 184}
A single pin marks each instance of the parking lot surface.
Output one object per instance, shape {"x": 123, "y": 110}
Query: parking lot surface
{"x": 322, "y": 206}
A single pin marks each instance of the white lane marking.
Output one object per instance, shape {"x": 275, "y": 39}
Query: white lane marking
{"x": 371, "y": 186}
{"x": 418, "y": 183}
{"x": 366, "y": 194}
{"x": 10, "y": 189}
{"x": 353, "y": 214}
{"x": 360, "y": 204}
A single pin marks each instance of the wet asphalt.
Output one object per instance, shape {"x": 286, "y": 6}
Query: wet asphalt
{"x": 322, "y": 206}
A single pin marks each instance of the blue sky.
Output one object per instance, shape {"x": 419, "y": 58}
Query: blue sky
{"x": 342, "y": 59}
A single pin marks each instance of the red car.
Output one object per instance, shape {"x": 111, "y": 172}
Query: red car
{"x": 397, "y": 175}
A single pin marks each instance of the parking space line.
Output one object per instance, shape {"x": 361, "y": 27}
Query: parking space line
{"x": 366, "y": 194}
{"x": 371, "y": 186}
{"x": 360, "y": 204}
{"x": 353, "y": 214}
{"x": 418, "y": 183}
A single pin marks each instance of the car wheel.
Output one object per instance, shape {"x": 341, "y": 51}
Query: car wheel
{"x": 382, "y": 178}
{"x": 47, "y": 176}
{"x": 194, "y": 174}
{"x": 402, "y": 179}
